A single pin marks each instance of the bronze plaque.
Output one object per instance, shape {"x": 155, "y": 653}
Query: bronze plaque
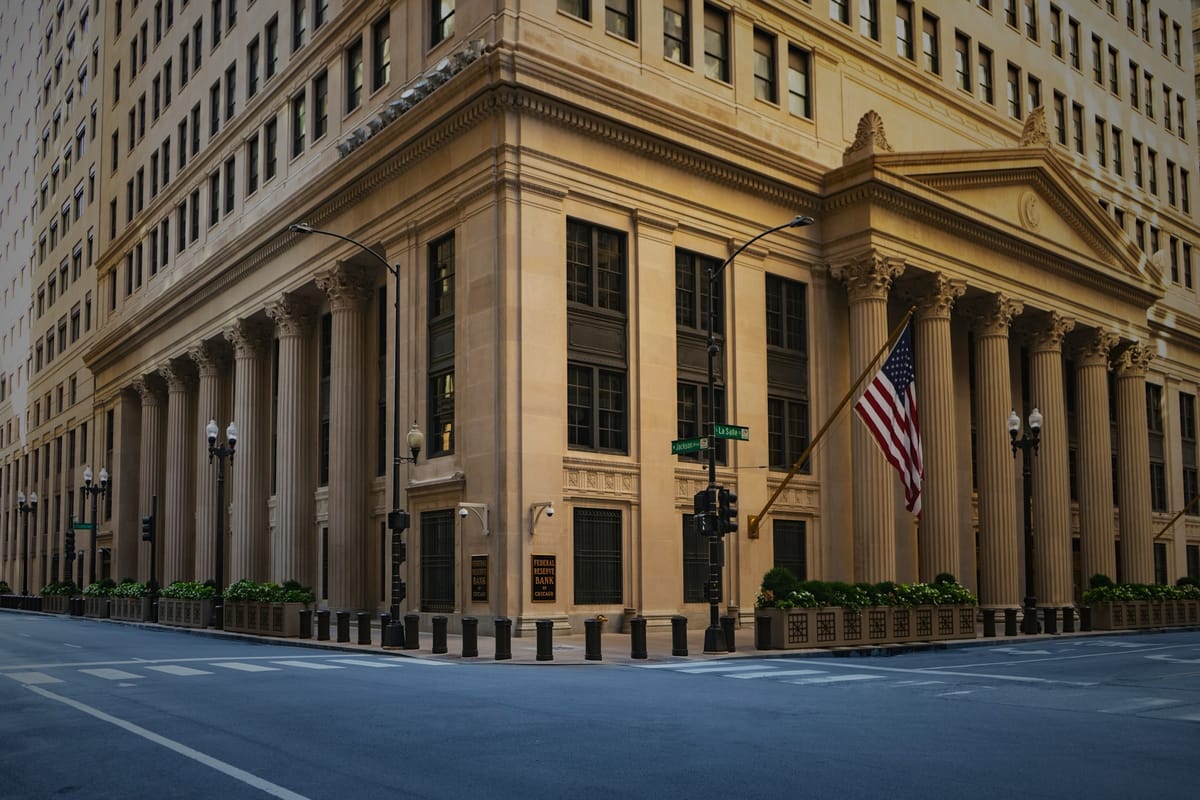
{"x": 479, "y": 579}
{"x": 545, "y": 579}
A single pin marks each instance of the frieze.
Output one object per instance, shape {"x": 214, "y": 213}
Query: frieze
{"x": 600, "y": 479}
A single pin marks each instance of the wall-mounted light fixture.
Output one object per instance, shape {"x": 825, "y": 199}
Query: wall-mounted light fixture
{"x": 478, "y": 509}
{"x": 536, "y": 510}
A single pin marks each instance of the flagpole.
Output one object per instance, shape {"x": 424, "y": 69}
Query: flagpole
{"x": 754, "y": 520}
{"x": 1178, "y": 514}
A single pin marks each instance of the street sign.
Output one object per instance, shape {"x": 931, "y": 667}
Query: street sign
{"x": 732, "y": 432}
{"x": 680, "y": 446}
{"x": 84, "y": 526}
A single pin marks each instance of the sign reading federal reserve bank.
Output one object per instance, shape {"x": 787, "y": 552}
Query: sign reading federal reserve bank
{"x": 545, "y": 578}
{"x": 479, "y": 579}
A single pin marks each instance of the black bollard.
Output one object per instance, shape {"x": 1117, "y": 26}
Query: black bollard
{"x": 384, "y": 619}
{"x": 989, "y": 622}
{"x": 679, "y": 636}
{"x": 1050, "y": 615}
{"x": 727, "y": 631}
{"x": 323, "y": 625}
{"x": 1085, "y": 618}
{"x": 364, "y": 627}
{"x": 470, "y": 637}
{"x": 1010, "y": 622}
{"x": 343, "y": 626}
{"x": 591, "y": 639}
{"x": 306, "y": 615}
{"x": 503, "y": 638}
{"x": 545, "y": 639}
{"x": 762, "y": 633}
{"x": 412, "y": 632}
{"x": 439, "y": 635}
{"x": 1068, "y": 619}
{"x": 637, "y": 638}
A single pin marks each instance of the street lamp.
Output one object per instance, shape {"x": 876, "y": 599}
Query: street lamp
{"x": 28, "y": 508}
{"x": 397, "y": 519}
{"x": 1029, "y": 445}
{"x": 95, "y": 492}
{"x": 221, "y": 452}
{"x": 714, "y": 638}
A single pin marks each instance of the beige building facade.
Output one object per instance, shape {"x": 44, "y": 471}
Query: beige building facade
{"x": 551, "y": 181}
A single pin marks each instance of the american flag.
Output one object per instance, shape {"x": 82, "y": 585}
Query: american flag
{"x": 889, "y": 408}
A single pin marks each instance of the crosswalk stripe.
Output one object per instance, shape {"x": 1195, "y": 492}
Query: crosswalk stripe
{"x": 834, "y": 679}
{"x": 111, "y": 674}
{"x": 176, "y": 669}
{"x": 238, "y": 665}
{"x": 719, "y": 668}
{"x": 33, "y": 678}
{"x": 363, "y": 662}
{"x": 306, "y": 664}
{"x": 1140, "y": 704}
{"x": 775, "y": 673}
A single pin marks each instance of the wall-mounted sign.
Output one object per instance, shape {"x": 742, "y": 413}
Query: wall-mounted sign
{"x": 545, "y": 578}
{"x": 479, "y": 579}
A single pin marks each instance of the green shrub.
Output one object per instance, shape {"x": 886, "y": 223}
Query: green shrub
{"x": 189, "y": 590}
{"x": 1099, "y": 580}
{"x": 58, "y": 589}
{"x": 248, "y": 591}
{"x": 5, "y": 588}
{"x": 101, "y": 588}
{"x": 130, "y": 588}
{"x": 820, "y": 594}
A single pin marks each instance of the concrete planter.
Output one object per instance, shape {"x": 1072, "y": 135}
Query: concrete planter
{"x": 184, "y": 613}
{"x": 130, "y": 609}
{"x": 56, "y": 603}
{"x": 264, "y": 619}
{"x": 797, "y": 628}
{"x": 96, "y": 607}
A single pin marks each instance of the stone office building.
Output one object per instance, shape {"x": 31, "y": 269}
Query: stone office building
{"x": 551, "y": 181}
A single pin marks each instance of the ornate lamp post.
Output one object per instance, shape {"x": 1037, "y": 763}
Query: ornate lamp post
{"x": 1028, "y": 444}
{"x": 27, "y": 508}
{"x": 221, "y": 452}
{"x": 95, "y": 491}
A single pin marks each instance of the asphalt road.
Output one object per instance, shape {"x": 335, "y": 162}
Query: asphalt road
{"x": 97, "y": 710}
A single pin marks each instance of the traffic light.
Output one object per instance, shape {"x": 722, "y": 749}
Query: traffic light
{"x": 148, "y": 528}
{"x": 702, "y": 506}
{"x": 727, "y": 511}
{"x": 70, "y": 542}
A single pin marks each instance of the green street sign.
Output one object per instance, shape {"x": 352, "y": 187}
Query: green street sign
{"x": 732, "y": 432}
{"x": 680, "y": 446}
{"x": 83, "y": 526}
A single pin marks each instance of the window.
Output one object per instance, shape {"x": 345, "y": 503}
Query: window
{"x": 598, "y": 564}
{"x": 962, "y": 61}
{"x": 1137, "y": 163}
{"x": 1031, "y": 19}
{"x": 576, "y": 8}
{"x": 929, "y": 43}
{"x": 442, "y": 21}
{"x": 1073, "y": 42}
{"x": 1118, "y": 162}
{"x": 381, "y": 53}
{"x": 1101, "y": 142}
{"x": 299, "y": 23}
{"x": 787, "y": 371}
{"x": 252, "y": 53}
{"x": 1010, "y": 13}
{"x": 320, "y": 13}
{"x": 677, "y": 33}
{"x": 1134, "y": 82}
{"x": 619, "y": 18}
{"x": 230, "y": 172}
{"x": 441, "y": 346}
{"x": 1097, "y": 61}
{"x": 214, "y": 109}
{"x": 790, "y": 540}
{"x": 765, "y": 87}
{"x": 716, "y": 43}
{"x": 299, "y": 120}
{"x": 437, "y": 561}
{"x": 1187, "y": 441}
{"x": 270, "y": 135}
{"x": 320, "y": 105}
{"x": 799, "y": 88}
{"x": 840, "y": 10}
{"x": 230, "y": 91}
{"x": 214, "y": 198}
{"x": 1077, "y": 127}
{"x": 1013, "y": 87}
{"x": 695, "y": 562}
{"x": 271, "y": 59}
{"x": 1033, "y": 93}
{"x": 354, "y": 76}
{"x": 986, "y": 90}
{"x": 693, "y": 409}
{"x": 904, "y": 29}
{"x": 1154, "y": 426}
{"x": 868, "y": 18}
{"x": 1152, "y": 169}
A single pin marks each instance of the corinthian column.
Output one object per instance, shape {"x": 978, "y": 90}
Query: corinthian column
{"x": 868, "y": 282}
{"x": 1133, "y": 465}
{"x": 1096, "y": 553}
{"x": 1051, "y": 478}
{"x": 999, "y": 538}
{"x": 211, "y": 362}
{"x": 937, "y": 537}
{"x": 248, "y": 471}
{"x": 149, "y": 389}
{"x": 348, "y": 585}
{"x": 177, "y": 529}
{"x": 292, "y": 549}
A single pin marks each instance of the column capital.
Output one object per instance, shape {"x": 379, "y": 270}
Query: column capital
{"x": 1092, "y": 348}
{"x": 210, "y": 356}
{"x": 869, "y": 277}
{"x": 1133, "y": 361}
{"x": 149, "y": 387}
{"x": 249, "y": 337}
{"x": 935, "y": 295}
{"x": 179, "y": 373}
{"x": 291, "y": 314}
{"x": 1045, "y": 333}
{"x": 346, "y": 285}
{"x": 993, "y": 315}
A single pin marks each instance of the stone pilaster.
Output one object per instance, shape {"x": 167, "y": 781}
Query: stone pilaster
{"x": 211, "y": 362}
{"x": 1096, "y": 551}
{"x": 868, "y": 282}
{"x": 999, "y": 535}
{"x": 1051, "y": 478}
{"x": 150, "y": 464}
{"x": 248, "y": 475}
{"x": 177, "y": 529}
{"x": 293, "y": 547}
{"x": 1133, "y": 465}
{"x": 937, "y": 536}
{"x": 348, "y": 583}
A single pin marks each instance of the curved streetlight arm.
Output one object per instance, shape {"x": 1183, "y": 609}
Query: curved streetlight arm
{"x": 300, "y": 227}
{"x": 798, "y": 221}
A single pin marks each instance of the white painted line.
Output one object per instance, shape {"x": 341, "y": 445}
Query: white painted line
{"x": 1140, "y": 704}
{"x": 834, "y": 679}
{"x": 700, "y": 670}
{"x": 952, "y": 694}
{"x": 33, "y": 678}
{"x": 110, "y": 674}
{"x": 373, "y": 662}
{"x": 306, "y": 664}
{"x": 220, "y": 766}
{"x": 918, "y": 683}
{"x": 776, "y": 673}
{"x": 176, "y": 669}
{"x": 238, "y": 665}
{"x": 1186, "y": 717}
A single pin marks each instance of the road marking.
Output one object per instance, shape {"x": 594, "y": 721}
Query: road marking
{"x": 363, "y": 662}
{"x": 776, "y": 673}
{"x": 306, "y": 664}
{"x": 33, "y": 678}
{"x": 1174, "y": 660}
{"x": 238, "y": 665}
{"x": 176, "y": 669}
{"x": 1021, "y": 651}
{"x": 76, "y": 646}
{"x": 918, "y": 683}
{"x": 1137, "y": 705}
{"x": 143, "y": 661}
{"x": 1055, "y": 658}
{"x": 952, "y": 694}
{"x": 223, "y": 767}
{"x": 111, "y": 674}
{"x": 834, "y": 679}
{"x": 721, "y": 668}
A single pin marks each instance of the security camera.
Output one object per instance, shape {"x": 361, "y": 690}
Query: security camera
{"x": 462, "y": 512}
{"x": 549, "y": 511}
